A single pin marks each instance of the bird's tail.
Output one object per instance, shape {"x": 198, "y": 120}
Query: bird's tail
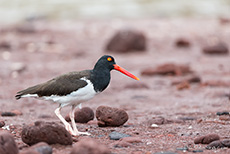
{"x": 18, "y": 96}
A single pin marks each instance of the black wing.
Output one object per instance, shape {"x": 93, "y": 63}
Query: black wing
{"x": 61, "y": 85}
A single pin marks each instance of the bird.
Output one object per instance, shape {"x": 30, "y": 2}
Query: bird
{"x": 74, "y": 88}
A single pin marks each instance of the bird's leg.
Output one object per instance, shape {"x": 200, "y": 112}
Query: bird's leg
{"x": 67, "y": 125}
{"x": 71, "y": 115}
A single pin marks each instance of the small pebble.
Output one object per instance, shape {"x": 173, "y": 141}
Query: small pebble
{"x": 182, "y": 42}
{"x": 218, "y": 48}
{"x": 184, "y": 149}
{"x": 187, "y": 118}
{"x": 8, "y": 114}
{"x": 2, "y": 123}
{"x": 117, "y": 136}
{"x": 198, "y": 150}
{"x": 154, "y": 126}
{"x": 222, "y": 113}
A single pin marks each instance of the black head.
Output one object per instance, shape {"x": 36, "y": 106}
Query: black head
{"x": 105, "y": 62}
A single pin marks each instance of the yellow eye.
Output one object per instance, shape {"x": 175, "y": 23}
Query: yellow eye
{"x": 109, "y": 59}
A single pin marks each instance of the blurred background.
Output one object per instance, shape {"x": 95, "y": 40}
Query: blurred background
{"x": 16, "y": 10}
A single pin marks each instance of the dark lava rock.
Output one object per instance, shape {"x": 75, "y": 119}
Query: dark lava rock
{"x": 108, "y": 116}
{"x": 82, "y": 115}
{"x": 222, "y": 113}
{"x": 89, "y": 146}
{"x": 117, "y": 136}
{"x": 219, "y": 144}
{"x": 187, "y": 118}
{"x": 7, "y": 144}
{"x": 8, "y": 114}
{"x": 182, "y": 42}
{"x": 197, "y": 150}
{"x": 167, "y": 69}
{"x": 2, "y": 123}
{"x": 206, "y": 139}
{"x": 219, "y": 48}
{"x": 48, "y": 132}
{"x": 5, "y": 45}
{"x": 194, "y": 79}
{"x": 127, "y": 41}
{"x": 41, "y": 148}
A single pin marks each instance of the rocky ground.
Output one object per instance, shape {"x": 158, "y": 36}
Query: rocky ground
{"x": 184, "y": 71}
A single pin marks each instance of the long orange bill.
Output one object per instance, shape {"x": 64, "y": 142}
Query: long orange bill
{"x": 122, "y": 70}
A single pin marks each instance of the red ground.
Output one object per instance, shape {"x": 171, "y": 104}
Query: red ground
{"x": 54, "y": 48}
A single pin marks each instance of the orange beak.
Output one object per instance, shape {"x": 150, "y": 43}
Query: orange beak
{"x": 122, "y": 70}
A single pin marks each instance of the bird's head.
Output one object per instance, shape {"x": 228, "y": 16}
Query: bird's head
{"x": 108, "y": 62}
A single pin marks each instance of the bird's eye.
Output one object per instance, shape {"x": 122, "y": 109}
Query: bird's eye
{"x": 109, "y": 59}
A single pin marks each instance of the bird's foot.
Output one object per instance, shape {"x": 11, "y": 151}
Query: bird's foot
{"x": 77, "y": 133}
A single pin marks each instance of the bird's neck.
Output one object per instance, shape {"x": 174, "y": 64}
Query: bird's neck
{"x": 100, "y": 78}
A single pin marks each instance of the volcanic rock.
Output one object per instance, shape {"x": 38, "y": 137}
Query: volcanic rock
{"x": 219, "y": 48}
{"x": 127, "y": 41}
{"x": 89, "y": 146}
{"x": 117, "y": 136}
{"x": 222, "y": 113}
{"x": 7, "y": 144}
{"x": 182, "y": 42}
{"x": 8, "y": 114}
{"x": 48, "y": 132}
{"x": 108, "y": 116}
{"x": 40, "y": 148}
{"x": 82, "y": 115}
{"x": 206, "y": 139}
{"x": 167, "y": 69}
{"x": 2, "y": 123}
{"x": 5, "y": 45}
{"x": 219, "y": 144}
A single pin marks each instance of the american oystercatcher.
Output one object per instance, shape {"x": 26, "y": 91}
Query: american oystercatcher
{"x": 73, "y": 88}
